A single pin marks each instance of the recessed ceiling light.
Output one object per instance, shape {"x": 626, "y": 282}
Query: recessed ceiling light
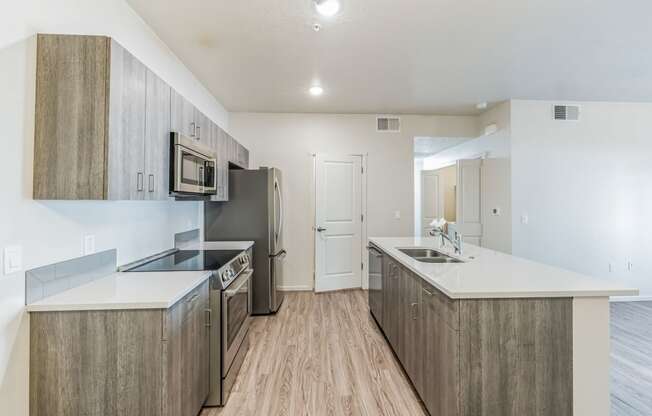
{"x": 327, "y": 7}
{"x": 481, "y": 106}
{"x": 316, "y": 91}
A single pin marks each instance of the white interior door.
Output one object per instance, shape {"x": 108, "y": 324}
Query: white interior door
{"x": 338, "y": 227}
{"x": 432, "y": 199}
{"x": 469, "y": 210}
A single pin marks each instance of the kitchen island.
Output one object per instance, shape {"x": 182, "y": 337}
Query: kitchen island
{"x": 493, "y": 334}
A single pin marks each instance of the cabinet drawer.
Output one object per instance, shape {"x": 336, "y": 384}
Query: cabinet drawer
{"x": 448, "y": 309}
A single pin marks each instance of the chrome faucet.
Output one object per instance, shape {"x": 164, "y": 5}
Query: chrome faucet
{"x": 457, "y": 242}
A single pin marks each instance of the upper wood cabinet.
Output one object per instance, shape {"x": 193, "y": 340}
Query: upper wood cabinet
{"x": 103, "y": 123}
{"x": 157, "y": 138}
{"x": 99, "y": 133}
{"x": 189, "y": 121}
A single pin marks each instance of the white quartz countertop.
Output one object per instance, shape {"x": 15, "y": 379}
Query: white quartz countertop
{"x": 491, "y": 274}
{"x": 137, "y": 290}
{"x": 216, "y": 245}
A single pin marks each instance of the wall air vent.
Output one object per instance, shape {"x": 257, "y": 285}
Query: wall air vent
{"x": 566, "y": 112}
{"x": 388, "y": 124}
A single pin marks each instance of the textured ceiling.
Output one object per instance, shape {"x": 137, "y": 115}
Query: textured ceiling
{"x": 409, "y": 56}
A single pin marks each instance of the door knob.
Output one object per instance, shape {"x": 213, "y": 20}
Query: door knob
{"x": 320, "y": 229}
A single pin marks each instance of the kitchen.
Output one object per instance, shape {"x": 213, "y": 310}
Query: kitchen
{"x": 56, "y": 217}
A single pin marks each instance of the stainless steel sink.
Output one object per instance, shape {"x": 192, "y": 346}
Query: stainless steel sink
{"x": 428, "y": 255}
{"x": 438, "y": 260}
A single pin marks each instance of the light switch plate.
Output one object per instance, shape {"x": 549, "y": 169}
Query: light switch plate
{"x": 89, "y": 245}
{"x": 525, "y": 219}
{"x": 13, "y": 259}
{"x": 397, "y": 215}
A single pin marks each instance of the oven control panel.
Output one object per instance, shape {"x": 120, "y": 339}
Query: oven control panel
{"x": 234, "y": 267}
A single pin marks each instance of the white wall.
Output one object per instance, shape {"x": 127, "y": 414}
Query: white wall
{"x": 53, "y": 231}
{"x": 287, "y": 141}
{"x": 586, "y": 188}
{"x": 496, "y": 193}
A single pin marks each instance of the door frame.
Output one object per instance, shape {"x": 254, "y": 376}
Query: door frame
{"x": 364, "y": 275}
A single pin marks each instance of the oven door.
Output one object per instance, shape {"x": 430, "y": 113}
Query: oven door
{"x": 194, "y": 172}
{"x": 236, "y": 312}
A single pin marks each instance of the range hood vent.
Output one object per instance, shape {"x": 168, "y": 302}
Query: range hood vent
{"x": 388, "y": 124}
{"x": 566, "y": 112}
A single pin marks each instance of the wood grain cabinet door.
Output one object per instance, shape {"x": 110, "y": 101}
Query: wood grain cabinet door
{"x": 157, "y": 138}
{"x": 440, "y": 355}
{"x": 204, "y": 131}
{"x": 126, "y": 144}
{"x": 187, "y": 354}
{"x": 412, "y": 329}
{"x": 70, "y": 117}
{"x": 182, "y": 115}
{"x": 393, "y": 311}
{"x": 220, "y": 145}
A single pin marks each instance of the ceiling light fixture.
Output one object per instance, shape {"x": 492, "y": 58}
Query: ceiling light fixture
{"x": 481, "y": 106}
{"x": 327, "y": 8}
{"x": 316, "y": 91}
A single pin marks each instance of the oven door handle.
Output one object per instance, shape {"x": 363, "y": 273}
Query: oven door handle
{"x": 244, "y": 280}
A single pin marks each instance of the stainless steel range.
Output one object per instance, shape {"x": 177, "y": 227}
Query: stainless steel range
{"x": 230, "y": 300}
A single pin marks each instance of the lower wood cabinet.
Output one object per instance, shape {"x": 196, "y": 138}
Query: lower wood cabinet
{"x": 440, "y": 380}
{"x": 121, "y": 362}
{"x": 479, "y": 357}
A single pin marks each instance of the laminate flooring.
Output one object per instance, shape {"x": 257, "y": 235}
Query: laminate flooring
{"x": 321, "y": 354}
{"x": 631, "y": 358}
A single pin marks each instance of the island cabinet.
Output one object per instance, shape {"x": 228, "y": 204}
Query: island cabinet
{"x": 479, "y": 357}
{"x": 103, "y": 122}
{"x": 138, "y": 362}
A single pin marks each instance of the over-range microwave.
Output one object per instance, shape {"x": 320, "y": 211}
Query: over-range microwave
{"x": 192, "y": 167}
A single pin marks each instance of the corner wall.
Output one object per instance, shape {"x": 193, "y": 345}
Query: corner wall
{"x": 586, "y": 188}
{"x": 52, "y": 231}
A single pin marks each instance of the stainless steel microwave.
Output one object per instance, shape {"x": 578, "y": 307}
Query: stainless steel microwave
{"x": 192, "y": 167}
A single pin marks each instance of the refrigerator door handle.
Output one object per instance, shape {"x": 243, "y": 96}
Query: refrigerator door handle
{"x": 279, "y": 229}
{"x": 280, "y": 254}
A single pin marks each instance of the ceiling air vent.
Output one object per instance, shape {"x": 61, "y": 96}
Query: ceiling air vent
{"x": 566, "y": 112}
{"x": 388, "y": 124}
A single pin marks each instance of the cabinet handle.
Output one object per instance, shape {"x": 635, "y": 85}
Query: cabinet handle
{"x": 209, "y": 318}
{"x": 139, "y": 181}
{"x": 198, "y": 132}
{"x": 151, "y": 183}
{"x": 426, "y": 291}
{"x": 193, "y": 129}
{"x": 193, "y": 298}
{"x": 415, "y": 311}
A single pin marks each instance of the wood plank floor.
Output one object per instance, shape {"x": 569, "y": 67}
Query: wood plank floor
{"x": 320, "y": 355}
{"x": 631, "y": 358}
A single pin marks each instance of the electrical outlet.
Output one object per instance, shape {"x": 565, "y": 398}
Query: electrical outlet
{"x": 88, "y": 245}
{"x": 397, "y": 215}
{"x": 13, "y": 259}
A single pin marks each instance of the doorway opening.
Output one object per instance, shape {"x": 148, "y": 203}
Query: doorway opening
{"x": 467, "y": 182}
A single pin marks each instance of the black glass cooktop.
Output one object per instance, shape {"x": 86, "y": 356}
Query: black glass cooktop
{"x": 189, "y": 260}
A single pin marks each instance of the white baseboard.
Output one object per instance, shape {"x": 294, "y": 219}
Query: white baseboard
{"x": 299, "y": 288}
{"x": 630, "y": 298}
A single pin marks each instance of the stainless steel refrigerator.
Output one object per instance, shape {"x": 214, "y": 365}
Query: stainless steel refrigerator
{"x": 254, "y": 212}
